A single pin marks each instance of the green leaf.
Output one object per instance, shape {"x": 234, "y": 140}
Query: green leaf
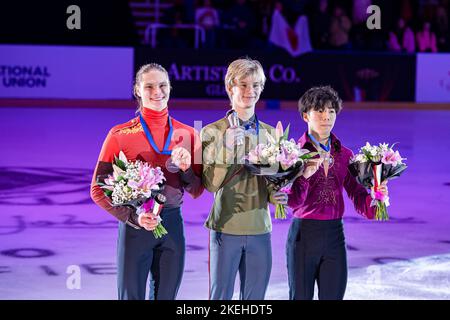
{"x": 121, "y": 164}
{"x": 108, "y": 193}
{"x": 286, "y": 133}
{"x": 308, "y": 155}
{"x": 367, "y": 154}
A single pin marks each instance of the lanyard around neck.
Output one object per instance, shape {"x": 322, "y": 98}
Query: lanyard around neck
{"x": 326, "y": 147}
{"x": 149, "y": 136}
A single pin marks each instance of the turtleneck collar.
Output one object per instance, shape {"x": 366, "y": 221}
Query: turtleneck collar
{"x": 155, "y": 118}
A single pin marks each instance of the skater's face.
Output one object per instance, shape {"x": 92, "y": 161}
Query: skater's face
{"x": 321, "y": 121}
{"x": 245, "y": 92}
{"x": 154, "y": 90}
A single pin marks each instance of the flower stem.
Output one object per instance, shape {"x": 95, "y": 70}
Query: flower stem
{"x": 159, "y": 231}
{"x": 381, "y": 212}
{"x": 280, "y": 212}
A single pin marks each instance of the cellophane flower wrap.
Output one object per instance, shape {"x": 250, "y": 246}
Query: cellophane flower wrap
{"x": 374, "y": 165}
{"x": 280, "y": 161}
{"x": 135, "y": 184}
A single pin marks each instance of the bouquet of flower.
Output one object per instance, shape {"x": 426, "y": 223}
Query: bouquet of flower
{"x": 135, "y": 184}
{"x": 279, "y": 160}
{"x": 373, "y": 165}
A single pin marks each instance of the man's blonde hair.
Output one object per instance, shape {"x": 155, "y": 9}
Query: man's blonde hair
{"x": 242, "y": 68}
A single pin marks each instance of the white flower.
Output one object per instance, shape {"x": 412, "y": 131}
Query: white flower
{"x": 117, "y": 172}
{"x": 138, "y": 179}
{"x": 373, "y": 152}
{"x": 367, "y": 147}
{"x": 360, "y": 157}
{"x": 384, "y": 146}
{"x": 122, "y": 157}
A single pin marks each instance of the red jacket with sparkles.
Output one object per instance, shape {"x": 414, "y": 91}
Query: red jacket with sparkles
{"x": 131, "y": 139}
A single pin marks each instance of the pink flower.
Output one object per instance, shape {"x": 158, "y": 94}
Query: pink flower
{"x": 110, "y": 180}
{"x": 391, "y": 157}
{"x": 287, "y": 159}
{"x": 149, "y": 179}
{"x": 287, "y": 189}
{"x": 279, "y": 131}
{"x": 379, "y": 196}
{"x": 254, "y": 156}
{"x": 302, "y": 151}
{"x": 147, "y": 206}
{"x": 109, "y": 183}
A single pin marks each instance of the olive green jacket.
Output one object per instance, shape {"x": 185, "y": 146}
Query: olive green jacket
{"x": 240, "y": 198}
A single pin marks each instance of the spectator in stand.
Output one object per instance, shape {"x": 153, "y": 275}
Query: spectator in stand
{"x": 263, "y": 14}
{"x": 340, "y": 29}
{"x": 320, "y": 25}
{"x": 175, "y": 37}
{"x": 359, "y": 13}
{"x": 207, "y": 17}
{"x": 427, "y": 9}
{"x": 426, "y": 39}
{"x": 407, "y": 10}
{"x": 242, "y": 23}
{"x": 402, "y": 39}
{"x": 360, "y": 36}
{"x": 442, "y": 32}
{"x": 293, "y": 9}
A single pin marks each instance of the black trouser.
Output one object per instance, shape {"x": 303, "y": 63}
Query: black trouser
{"x": 139, "y": 253}
{"x": 315, "y": 250}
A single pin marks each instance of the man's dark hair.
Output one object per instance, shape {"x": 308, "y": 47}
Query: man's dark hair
{"x": 318, "y": 98}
